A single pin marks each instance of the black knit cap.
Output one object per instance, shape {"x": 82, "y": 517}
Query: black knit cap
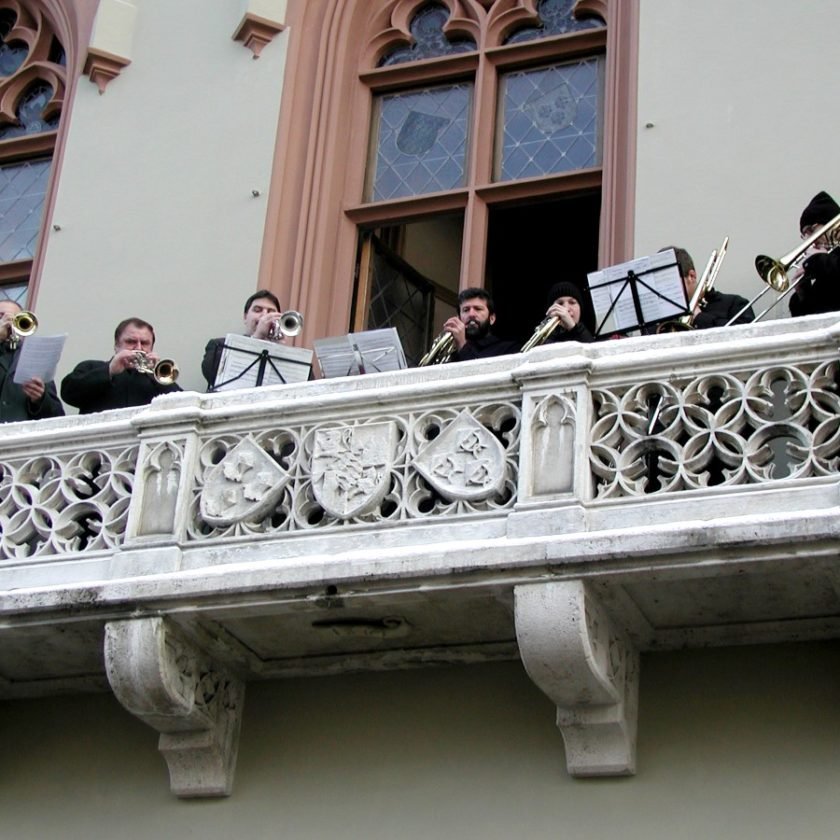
{"x": 565, "y": 289}
{"x": 821, "y": 209}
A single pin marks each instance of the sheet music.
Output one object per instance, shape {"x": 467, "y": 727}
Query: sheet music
{"x": 240, "y": 363}
{"x": 38, "y": 356}
{"x": 658, "y": 284}
{"x": 371, "y": 351}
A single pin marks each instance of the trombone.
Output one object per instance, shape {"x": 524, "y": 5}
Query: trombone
{"x": 165, "y": 371}
{"x": 774, "y": 272}
{"x": 22, "y": 325}
{"x": 441, "y": 351}
{"x": 704, "y": 285}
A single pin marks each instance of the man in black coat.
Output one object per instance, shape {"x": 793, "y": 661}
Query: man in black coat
{"x": 31, "y": 400}
{"x": 262, "y": 309}
{"x": 117, "y": 383}
{"x": 818, "y": 286}
{"x": 471, "y": 328}
{"x": 715, "y": 309}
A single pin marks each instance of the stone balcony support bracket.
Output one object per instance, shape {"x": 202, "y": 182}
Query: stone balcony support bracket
{"x": 586, "y": 666}
{"x": 170, "y": 684}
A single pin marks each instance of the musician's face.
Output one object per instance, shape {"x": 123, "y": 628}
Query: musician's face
{"x": 476, "y": 317}
{"x": 690, "y": 283}
{"x": 256, "y": 311}
{"x": 8, "y": 309}
{"x": 572, "y": 306}
{"x": 135, "y": 338}
{"x": 821, "y": 244}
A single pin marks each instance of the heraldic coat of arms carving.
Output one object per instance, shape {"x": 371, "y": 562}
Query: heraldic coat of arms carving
{"x": 351, "y": 467}
{"x": 464, "y": 462}
{"x": 245, "y": 484}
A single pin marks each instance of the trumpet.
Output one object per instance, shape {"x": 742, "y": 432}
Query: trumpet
{"x": 22, "y": 325}
{"x": 165, "y": 371}
{"x": 774, "y": 272}
{"x": 704, "y": 285}
{"x": 288, "y": 324}
{"x": 441, "y": 351}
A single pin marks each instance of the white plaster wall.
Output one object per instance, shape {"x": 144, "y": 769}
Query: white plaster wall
{"x": 734, "y": 744}
{"x": 154, "y": 204}
{"x": 743, "y": 127}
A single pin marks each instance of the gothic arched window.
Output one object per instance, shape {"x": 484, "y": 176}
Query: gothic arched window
{"x": 32, "y": 86}
{"x": 431, "y": 145}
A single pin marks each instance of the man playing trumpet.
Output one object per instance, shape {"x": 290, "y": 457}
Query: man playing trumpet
{"x": 126, "y": 379}
{"x": 260, "y": 317}
{"x": 33, "y": 399}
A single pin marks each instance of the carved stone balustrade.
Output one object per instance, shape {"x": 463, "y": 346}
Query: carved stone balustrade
{"x": 573, "y": 506}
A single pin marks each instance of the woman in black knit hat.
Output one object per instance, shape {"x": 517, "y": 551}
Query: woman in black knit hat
{"x": 818, "y": 290}
{"x": 568, "y": 303}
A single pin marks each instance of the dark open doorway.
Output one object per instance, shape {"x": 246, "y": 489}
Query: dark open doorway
{"x": 530, "y": 248}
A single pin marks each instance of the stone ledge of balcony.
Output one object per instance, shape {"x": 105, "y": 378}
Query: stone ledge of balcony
{"x": 694, "y": 583}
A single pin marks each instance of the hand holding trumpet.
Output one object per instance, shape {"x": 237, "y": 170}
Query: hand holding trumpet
{"x": 132, "y": 359}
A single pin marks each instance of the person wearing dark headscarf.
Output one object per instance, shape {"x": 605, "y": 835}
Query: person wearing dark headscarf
{"x": 567, "y": 303}
{"x": 818, "y": 286}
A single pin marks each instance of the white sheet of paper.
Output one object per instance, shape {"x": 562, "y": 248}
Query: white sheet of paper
{"x": 657, "y": 272}
{"x": 39, "y": 355}
{"x": 237, "y": 368}
{"x": 371, "y": 351}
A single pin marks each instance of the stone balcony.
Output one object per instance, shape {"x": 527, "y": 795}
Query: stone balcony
{"x": 573, "y": 506}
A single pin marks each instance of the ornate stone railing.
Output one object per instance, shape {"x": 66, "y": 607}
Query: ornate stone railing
{"x": 421, "y": 454}
{"x": 570, "y": 506}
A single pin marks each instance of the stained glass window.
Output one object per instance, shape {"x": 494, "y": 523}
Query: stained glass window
{"x": 551, "y": 120}
{"x": 22, "y": 190}
{"x": 12, "y": 55}
{"x": 16, "y": 293}
{"x": 30, "y": 113}
{"x": 401, "y": 298}
{"x": 555, "y": 19}
{"x": 429, "y": 40}
{"x": 420, "y": 141}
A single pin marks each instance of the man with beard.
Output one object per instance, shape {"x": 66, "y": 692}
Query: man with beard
{"x": 470, "y": 328}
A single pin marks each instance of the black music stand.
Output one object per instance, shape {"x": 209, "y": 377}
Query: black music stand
{"x": 372, "y": 351}
{"x": 251, "y": 362}
{"x": 638, "y": 295}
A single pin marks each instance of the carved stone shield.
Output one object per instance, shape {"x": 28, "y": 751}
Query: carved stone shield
{"x": 245, "y": 484}
{"x": 351, "y": 467}
{"x": 464, "y": 462}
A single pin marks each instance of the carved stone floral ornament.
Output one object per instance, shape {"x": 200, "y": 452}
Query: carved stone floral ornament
{"x": 245, "y": 484}
{"x": 464, "y": 462}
